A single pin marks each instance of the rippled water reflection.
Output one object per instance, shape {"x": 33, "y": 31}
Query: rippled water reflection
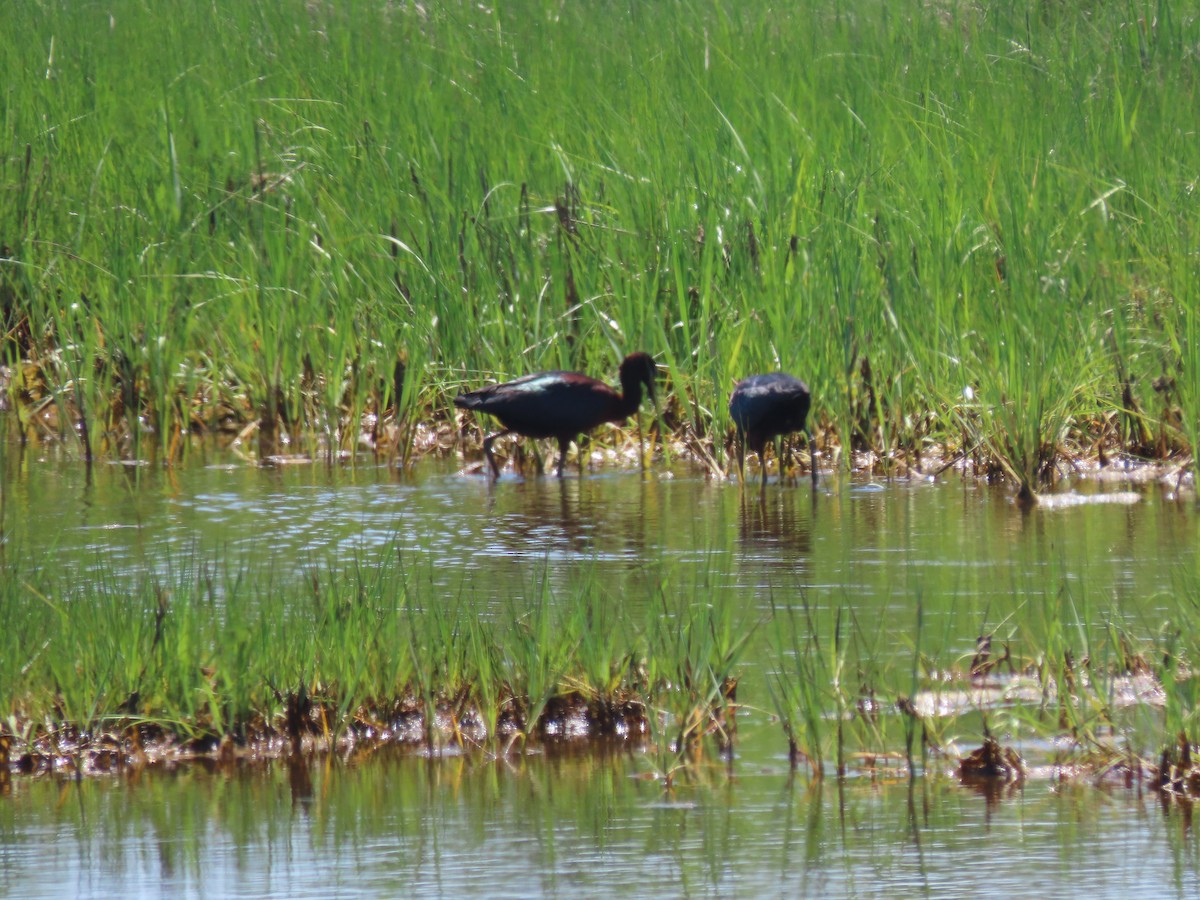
{"x": 867, "y": 541}
{"x": 578, "y": 826}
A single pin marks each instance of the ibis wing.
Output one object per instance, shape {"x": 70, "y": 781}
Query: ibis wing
{"x": 549, "y": 404}
{"x": 763, "y": 406}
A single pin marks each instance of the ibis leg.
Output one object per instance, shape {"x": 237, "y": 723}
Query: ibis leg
{"x": 812, "y": 454}
{"x": 741, "y": 457}
{"x": 487, "y": 451}
{"x": 563, "y": 444}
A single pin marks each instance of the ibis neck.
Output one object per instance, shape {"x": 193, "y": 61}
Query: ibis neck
{"x": 631, "y": 396}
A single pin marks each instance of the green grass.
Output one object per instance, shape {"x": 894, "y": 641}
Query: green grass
{"x": 201, "y": 655}
{"x": 230, "y": 213}
{"x": 355, "y": 654}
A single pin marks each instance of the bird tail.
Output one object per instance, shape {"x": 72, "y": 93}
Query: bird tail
{"x": 471, "y": 400}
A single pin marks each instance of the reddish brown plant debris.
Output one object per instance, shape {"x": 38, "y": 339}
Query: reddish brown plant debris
{"x": 309, "y": 726}
{"x": 992, "y": 762}
{"x": 1178, "y": 772}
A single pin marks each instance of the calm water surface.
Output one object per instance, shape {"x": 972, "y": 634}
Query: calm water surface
{"x": 593, "y": 824}
{"x": 581, "y": 827}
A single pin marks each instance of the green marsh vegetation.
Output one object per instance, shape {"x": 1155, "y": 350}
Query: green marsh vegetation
{"x": 207, "y": 659}
{"x": 971, "y": 228}
{"x": 222, "y": 662}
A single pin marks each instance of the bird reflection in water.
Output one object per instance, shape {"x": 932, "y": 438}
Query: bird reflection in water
{"x": 299, "y": 781}
{"x": 569, "y": 517}
{"x": 776, "y": 529}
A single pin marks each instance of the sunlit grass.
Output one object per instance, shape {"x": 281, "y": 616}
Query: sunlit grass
{"x": 206, "y": 652}
{"x": 239, "y": 213}
{"x": 351, "y": 654}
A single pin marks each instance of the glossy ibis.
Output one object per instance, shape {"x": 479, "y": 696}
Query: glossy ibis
{"x": 765, "y": 406}
{"x": 560, "y": 405}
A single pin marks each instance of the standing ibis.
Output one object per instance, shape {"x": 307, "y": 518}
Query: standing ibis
{"x": 766, "y": 406}
{"x": 560, "y": 405}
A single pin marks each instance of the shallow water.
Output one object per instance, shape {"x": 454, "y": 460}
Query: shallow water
{"x": 878, "y": 543}
{"x": 406, "y": 826}
{"x": 595, "y": 823}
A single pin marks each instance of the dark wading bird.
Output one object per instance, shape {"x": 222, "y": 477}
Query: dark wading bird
{"x": 766, "y": 406}
{"x": 560, "y": 405}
